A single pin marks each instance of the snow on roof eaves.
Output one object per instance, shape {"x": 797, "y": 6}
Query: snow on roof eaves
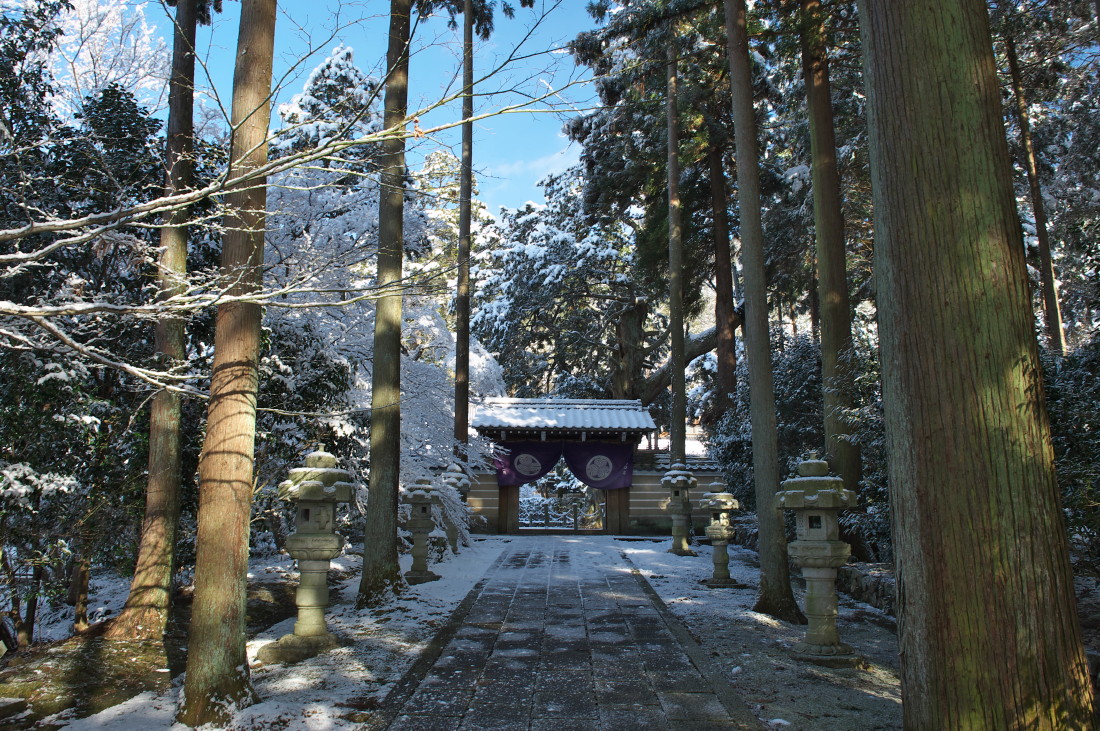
{"x": 562, "y": 414}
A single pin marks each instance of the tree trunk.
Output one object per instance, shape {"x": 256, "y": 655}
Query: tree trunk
{"x": 78, "y": 593}
{"x": 723, "y": 284}
{"x": 24, "y": 626}
{"x": 465, "y": 193}
{"x": 677, "y": 427}
{"x": 380, "y": 569}
{"x": 775, "y": 598}
{"x": 11, "y": 644}
{"x": 988, "y": 631}
{"x": 695, "y": 345}
{"x": 629, "y": 341}
{"x": 217, "y": 666}
{"x": 1051, "y": 308}
{"x": 832, "y": 282}
{"x": 145, "y": 615}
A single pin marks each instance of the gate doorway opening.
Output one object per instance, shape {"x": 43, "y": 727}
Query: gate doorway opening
{"x": 559, "y": 503}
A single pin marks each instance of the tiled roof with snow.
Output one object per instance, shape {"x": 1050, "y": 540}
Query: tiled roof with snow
{"x": 694, "y": 462}
{"x": 562, "y": 414}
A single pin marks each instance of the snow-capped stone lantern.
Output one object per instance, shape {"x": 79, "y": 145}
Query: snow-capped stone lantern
{"x": 421, "y": 525}
{"x": 316, "y": 488}
{"x": 456, "y": 477}
{"x": 816, "y": 498}
{"x": 679, "y": 483}
{"x": 720, "y": 504}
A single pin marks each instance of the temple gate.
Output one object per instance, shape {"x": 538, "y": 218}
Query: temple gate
{"x": 599, "y": 440}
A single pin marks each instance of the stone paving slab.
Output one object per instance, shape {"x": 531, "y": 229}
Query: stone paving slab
{"x": 563, "y": 634}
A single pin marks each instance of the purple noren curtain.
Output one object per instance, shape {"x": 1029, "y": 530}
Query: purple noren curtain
{"x": 526, "y": 461}
{"x": 602, "y": 465}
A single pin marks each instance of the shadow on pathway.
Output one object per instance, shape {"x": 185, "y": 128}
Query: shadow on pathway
{"x": 563, "y": 634}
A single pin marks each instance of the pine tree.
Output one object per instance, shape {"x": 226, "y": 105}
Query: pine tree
{"x": 559, "y": 301}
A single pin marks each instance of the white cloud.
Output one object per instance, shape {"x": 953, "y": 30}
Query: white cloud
{"x": 539, "y": 167}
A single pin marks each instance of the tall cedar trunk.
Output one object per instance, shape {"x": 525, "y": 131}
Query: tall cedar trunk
{"x": 78, "y": 592}
{"x": 988, "y": 629}
{"x": 24, "y": 620}
{"x": 723, "y": 283}
{"x": 1051, "y": 308}
{"x": 677, "y": 426}
{"x": 465, "y": 193}
{"x": 217, "y": 666}
{"x": 629, "y": 343}
{"x": 776, "y": 597}
{"x": 145, "y": 615}
{"x": 380, "y": 570}
{"x": 834, "y": 309}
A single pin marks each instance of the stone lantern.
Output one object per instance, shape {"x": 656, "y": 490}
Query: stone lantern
{"x": 316, "y": 488}
{"x": 455, "y": 477}
{"x": 720, "y": 532}
{"x": 679, "y": 482}
{"x": 421, "y": 524}
{"x": 816, "y": 498}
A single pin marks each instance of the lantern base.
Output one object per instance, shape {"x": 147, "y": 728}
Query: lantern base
{"x": 682, "y": 552}
{"x": 290, "y": 649}
{"x": 713, "y": 583}
{"x": 830, "y": 656}
{"x": 421, "y": 577}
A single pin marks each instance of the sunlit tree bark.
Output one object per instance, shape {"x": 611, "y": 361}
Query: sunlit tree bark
{"x": 380, "y": 570}
{"x": 776, "y": 597}
{"x": 217, "y": 666}
{"x": 145, "y": 615}
{"x": 677, "y": 427}
{"x": 1051, "y": 307}
{"x": 832, "y": 283}
{"x": 989, "y": 635}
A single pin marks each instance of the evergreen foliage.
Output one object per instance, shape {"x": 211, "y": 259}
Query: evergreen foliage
{"x": 73, "y": 433}
{"x": 557, "y": 295}
{"x": 1073, "y": 402}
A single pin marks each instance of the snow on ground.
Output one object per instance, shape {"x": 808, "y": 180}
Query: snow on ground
{"x": 314, "y": 694}
{"x": 751, "y": 649}
{"x": 754, "y": 650}
{"x": 107, "y": 594}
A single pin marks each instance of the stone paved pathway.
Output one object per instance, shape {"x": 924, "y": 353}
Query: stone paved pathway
{"x": 563, "y": 635}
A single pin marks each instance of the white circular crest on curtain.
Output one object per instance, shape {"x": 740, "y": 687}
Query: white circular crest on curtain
{"x": 527, "y": 464}
{"x": 598, "y": 468}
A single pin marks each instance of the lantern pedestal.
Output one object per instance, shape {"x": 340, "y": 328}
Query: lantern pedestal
{"x": 316, "y": 488}
{"x": 421, "y": 524}
{"x": 678, "y": 481}
{"x": 817, "y": 499}
{"x": 720, "y": 532}
{"x": 456, "y": 478}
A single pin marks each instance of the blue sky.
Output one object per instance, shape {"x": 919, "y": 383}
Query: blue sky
{"x": 511, "y": 151}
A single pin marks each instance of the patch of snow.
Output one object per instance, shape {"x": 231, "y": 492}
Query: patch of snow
{"x": 383, "y": 643}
